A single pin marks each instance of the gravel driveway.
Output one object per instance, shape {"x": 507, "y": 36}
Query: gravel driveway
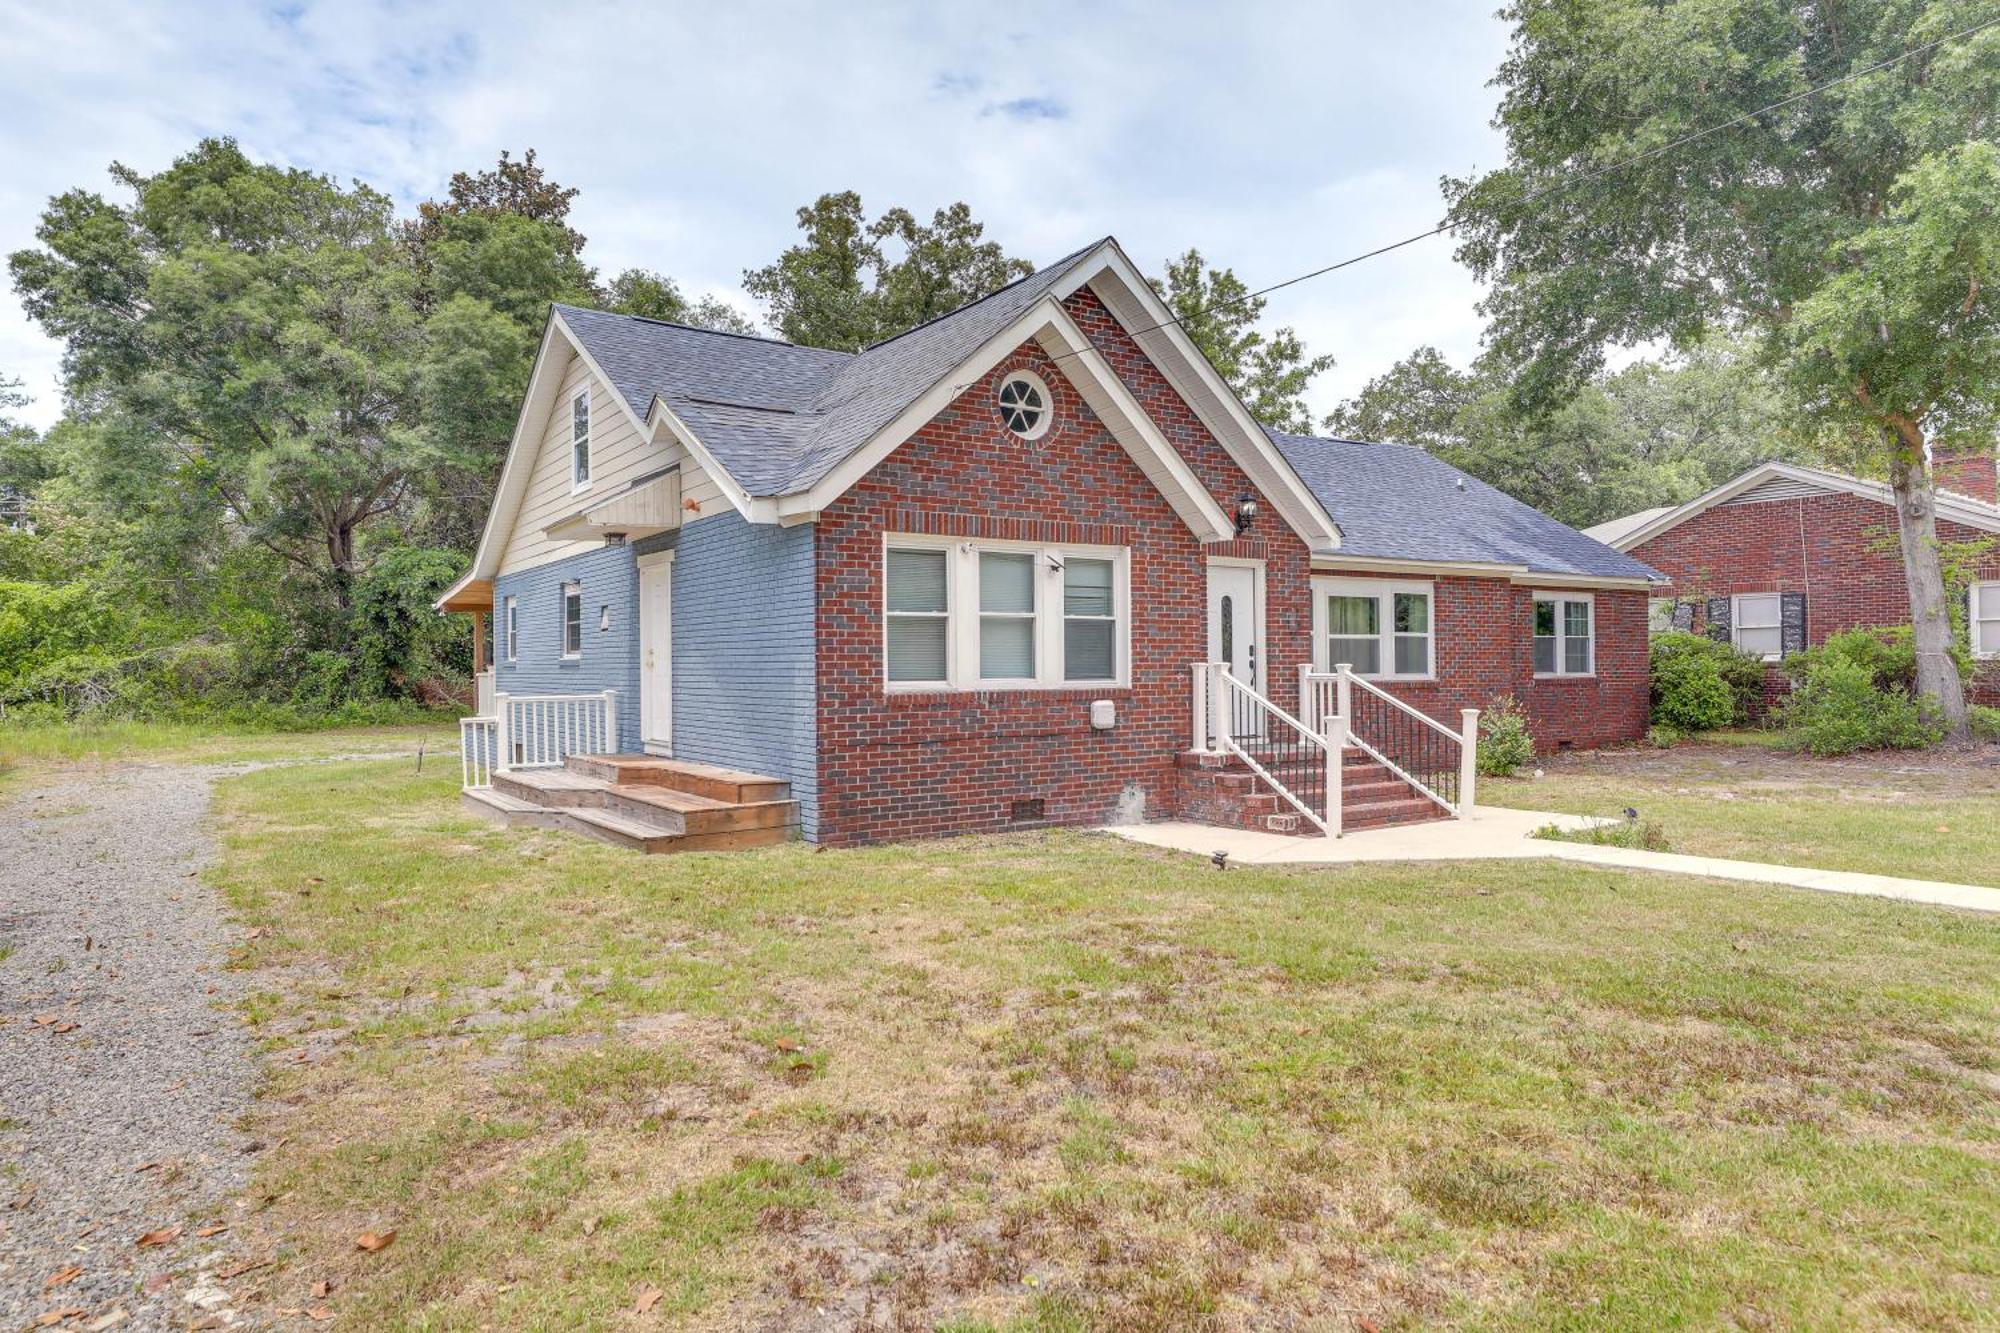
{"x": 122, "y": 1077}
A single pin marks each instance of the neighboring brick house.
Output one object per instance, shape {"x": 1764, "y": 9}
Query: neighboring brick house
{"x": 1783, "y": 556}
{"x": 971, "y": 578}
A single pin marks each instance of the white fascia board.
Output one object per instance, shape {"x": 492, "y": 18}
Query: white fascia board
{"x": 1237, "y": 432}
{"x": 543, "y": 381}
{"x": 754, "y": 509}
{"x": 1600, "y": 581}
{"x": 1324, "y": 564}
{"x": 1970, "y": 513}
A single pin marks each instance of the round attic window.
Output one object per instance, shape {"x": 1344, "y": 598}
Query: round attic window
{"x": 1025, "y": 406}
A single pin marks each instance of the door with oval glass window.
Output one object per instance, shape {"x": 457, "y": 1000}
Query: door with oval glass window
{"x": 1235, "y": 627}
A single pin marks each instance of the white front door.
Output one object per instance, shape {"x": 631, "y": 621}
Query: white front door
{"x": 656, "y": 687}
{"x": 1234, "y": 621}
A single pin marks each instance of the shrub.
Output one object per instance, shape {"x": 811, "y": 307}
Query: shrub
{"x": 1504, "y": 740}
{"x": 1643, "y": 835}
{"x": 1689, "y": 693}
{"x": 1887, "y": 652}
{"x": 1663, "y": 737}
{"x": 1742, "y": 674}
{"x": 1839, "y": 710}
{"x": 1985, "y": 722}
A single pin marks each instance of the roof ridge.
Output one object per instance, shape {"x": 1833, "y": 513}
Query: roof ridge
{"x": 696, "y": 328}
{"x": 1067, "y": 259}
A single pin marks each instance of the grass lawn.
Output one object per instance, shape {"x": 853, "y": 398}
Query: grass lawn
{"x": 1055, "y": 1081}
{"x": 1931, "y": 815}
{"x": 25, "y": 748}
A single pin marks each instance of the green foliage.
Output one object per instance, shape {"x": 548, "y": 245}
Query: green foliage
{"x": 1639, "y": 834}
{"x": 844, "y": 287}
{"x": 638, "y": 291}
{"x": 1985, "y": 722}
{"x": 1680, "y": 666}
{"x": 398, "y": 637}
{"x": 40, "y": 624}
{"x": 1505, "y": 743}
{"x": 1654, "y": 433}
{"x": 1888, "y": 653}
{"x": 1839, "y": 709}
{"x": 1269, "y": 372}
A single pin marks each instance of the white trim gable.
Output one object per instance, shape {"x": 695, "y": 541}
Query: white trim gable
{"x": 1793, "y": 481}
{"x": 1046, "y": 323}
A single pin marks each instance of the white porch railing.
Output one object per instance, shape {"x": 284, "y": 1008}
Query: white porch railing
{"x": 541, "y": 730}
{"x": 1441, "y": 763}
{"x": 1301, "y": 765}
{"x": 477, "y": 747}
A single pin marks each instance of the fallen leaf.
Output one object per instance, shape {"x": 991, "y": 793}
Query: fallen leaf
{"x": 160, "y": 1237}
{"x": 145, "y": 1166}
{"x": 786, "y": 1044}
{"x": 591, "y": 1224}
{"x": 238, "y": 1270}
{"x": 322, "y": 1289}
{"x": 49, "y": 1317}
{"x": 216, "y": 1230}
{"x": 63, "y": 1027}
{"x": 43, "y": 1020}
{"x": 63, "y": 1276}
{"x": 319, "y": 1314}
{"x": 110, "y": 1319}
{"x": 375, "y": 1241}
{"x": 25, "y": 1198}
{"x": 649, "y": 1296}
{"x": 158, "y": 1281}
{"x": 1369, "y": 1326}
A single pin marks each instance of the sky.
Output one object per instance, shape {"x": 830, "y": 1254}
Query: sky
{"x": 1276, "y": 138}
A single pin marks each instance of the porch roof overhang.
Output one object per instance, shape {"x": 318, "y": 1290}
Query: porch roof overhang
{"x": 648, "y": 506}
{"x": 467, "y": 595}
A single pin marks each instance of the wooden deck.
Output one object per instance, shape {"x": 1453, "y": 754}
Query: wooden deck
{"x": 645, "y": 803}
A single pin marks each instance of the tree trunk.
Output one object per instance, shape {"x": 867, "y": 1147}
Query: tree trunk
{"x": 340, "y": 554}
{"x": 1930, "y": 620}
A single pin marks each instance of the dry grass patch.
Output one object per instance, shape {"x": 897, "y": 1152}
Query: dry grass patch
{"x": 1056, "y": 1082}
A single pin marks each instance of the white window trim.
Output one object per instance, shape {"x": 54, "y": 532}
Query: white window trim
{"x": 1560, "y": 596}
{"x": 1736, "y": 601}
{"x": 513, "y": 609}
{"x": 962, "y": 615}
{"x": 1042, "y": 424}
{"x": 570, "y": 588}
{"x": 1983, "y": 645}
{"x": 1383, "y": 590}
{"x": 576, "y": 485}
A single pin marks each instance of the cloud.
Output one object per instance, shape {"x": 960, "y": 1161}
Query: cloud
{"x": 1028, "y": 108}
{"x": 1277, "y": 137}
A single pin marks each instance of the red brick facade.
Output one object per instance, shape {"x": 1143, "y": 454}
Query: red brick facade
{"x": 1838, "y": 550}
{"x": 905, "y": 765}
{"x": 1485, "y": 649}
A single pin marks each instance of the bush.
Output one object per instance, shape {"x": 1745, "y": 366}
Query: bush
{"x": 1504, "y": 741}
{"x": 1671, "y": 657}
{"x": 1839, "y": 709}
{"x": 1887, "y": 652}
{"x": 1689, "y": 693}
{"x": 1985, "y": 722}
{"x": 1663, "y": 737}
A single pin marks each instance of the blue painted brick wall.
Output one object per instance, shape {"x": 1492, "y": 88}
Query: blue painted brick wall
{"x": 610, "y": 578}
{"x": 744, "y": 674}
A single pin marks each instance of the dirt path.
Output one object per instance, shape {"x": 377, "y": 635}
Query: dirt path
{"x": 123, "y": 1077}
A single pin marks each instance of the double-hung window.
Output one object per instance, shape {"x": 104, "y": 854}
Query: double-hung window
{"x": 972, "y": 615}
{"x": 1381, "y": 629}
{"x": 1564, "y": 644}
{"x": 579, "y": 441}
{"x": 1985, "y": 619}
{"x": 572, "y": 620}
{"x": 1756, "y": 624}
{"x": 513, "y": 631}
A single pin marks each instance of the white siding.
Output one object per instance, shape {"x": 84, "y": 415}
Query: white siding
{"x": 618, "y": 454}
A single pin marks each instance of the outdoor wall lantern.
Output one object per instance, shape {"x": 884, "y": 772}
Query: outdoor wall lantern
{"x": 1246, "y": 513}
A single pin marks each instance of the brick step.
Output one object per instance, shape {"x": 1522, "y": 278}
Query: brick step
{"x": 728, "y": 785}
{"x": 1381, "y": 814}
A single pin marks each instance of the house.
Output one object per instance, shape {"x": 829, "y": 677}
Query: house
{"x": 1778, "y": 559}
{"x": 1030, "y": 563}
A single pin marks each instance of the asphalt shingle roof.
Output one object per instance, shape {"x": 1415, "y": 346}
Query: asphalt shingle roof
{"x": 1396, "y": 502}
{"x": 780, "y": 417}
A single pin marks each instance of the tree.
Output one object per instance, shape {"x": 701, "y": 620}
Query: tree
{"x": 1269, "y": 372}
{"x": 258, "y": 324}
{"x": 24, "y": 461}
{"x": 1655, "y": 433}
{"x": 841, "y": 288}
{"x": 1851, "y": 233}
{"x": 510, "y": 189}
{"x": 639, "y": 291}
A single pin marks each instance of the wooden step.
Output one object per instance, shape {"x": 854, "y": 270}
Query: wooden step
{"x": 512, "y": 811}
{"x": 684, "y": 812}
{"x": 556, "y": 787}
{"x": 728, "y": 785}
{"x": 641, "y": 836}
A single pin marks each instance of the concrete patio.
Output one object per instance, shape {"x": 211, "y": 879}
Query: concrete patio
{"x": 1496, "y": 833}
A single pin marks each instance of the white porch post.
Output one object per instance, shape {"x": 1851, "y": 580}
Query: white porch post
{"x": 1336, "y": 745}
{"x": 1305, "y": 695}
{"x": 1468, "y": 758}
{"x": 1344, "y": 693}
{"x": 1199, "y": 674}
{"x": 503, "y": 743}
{"x": 1221, "y": 706}
{"x": 611, "y": 722}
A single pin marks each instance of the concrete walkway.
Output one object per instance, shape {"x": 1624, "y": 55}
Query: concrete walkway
{"x": 1500, "y": 834}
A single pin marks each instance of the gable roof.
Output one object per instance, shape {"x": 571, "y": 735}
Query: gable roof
{"x": 1397, "y": 503}
{"x": 1612, "y": 529}
{"x": 1785, "y": 481}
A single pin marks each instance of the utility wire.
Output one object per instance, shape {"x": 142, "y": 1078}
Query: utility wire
{"x": 1566, "y": 183}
